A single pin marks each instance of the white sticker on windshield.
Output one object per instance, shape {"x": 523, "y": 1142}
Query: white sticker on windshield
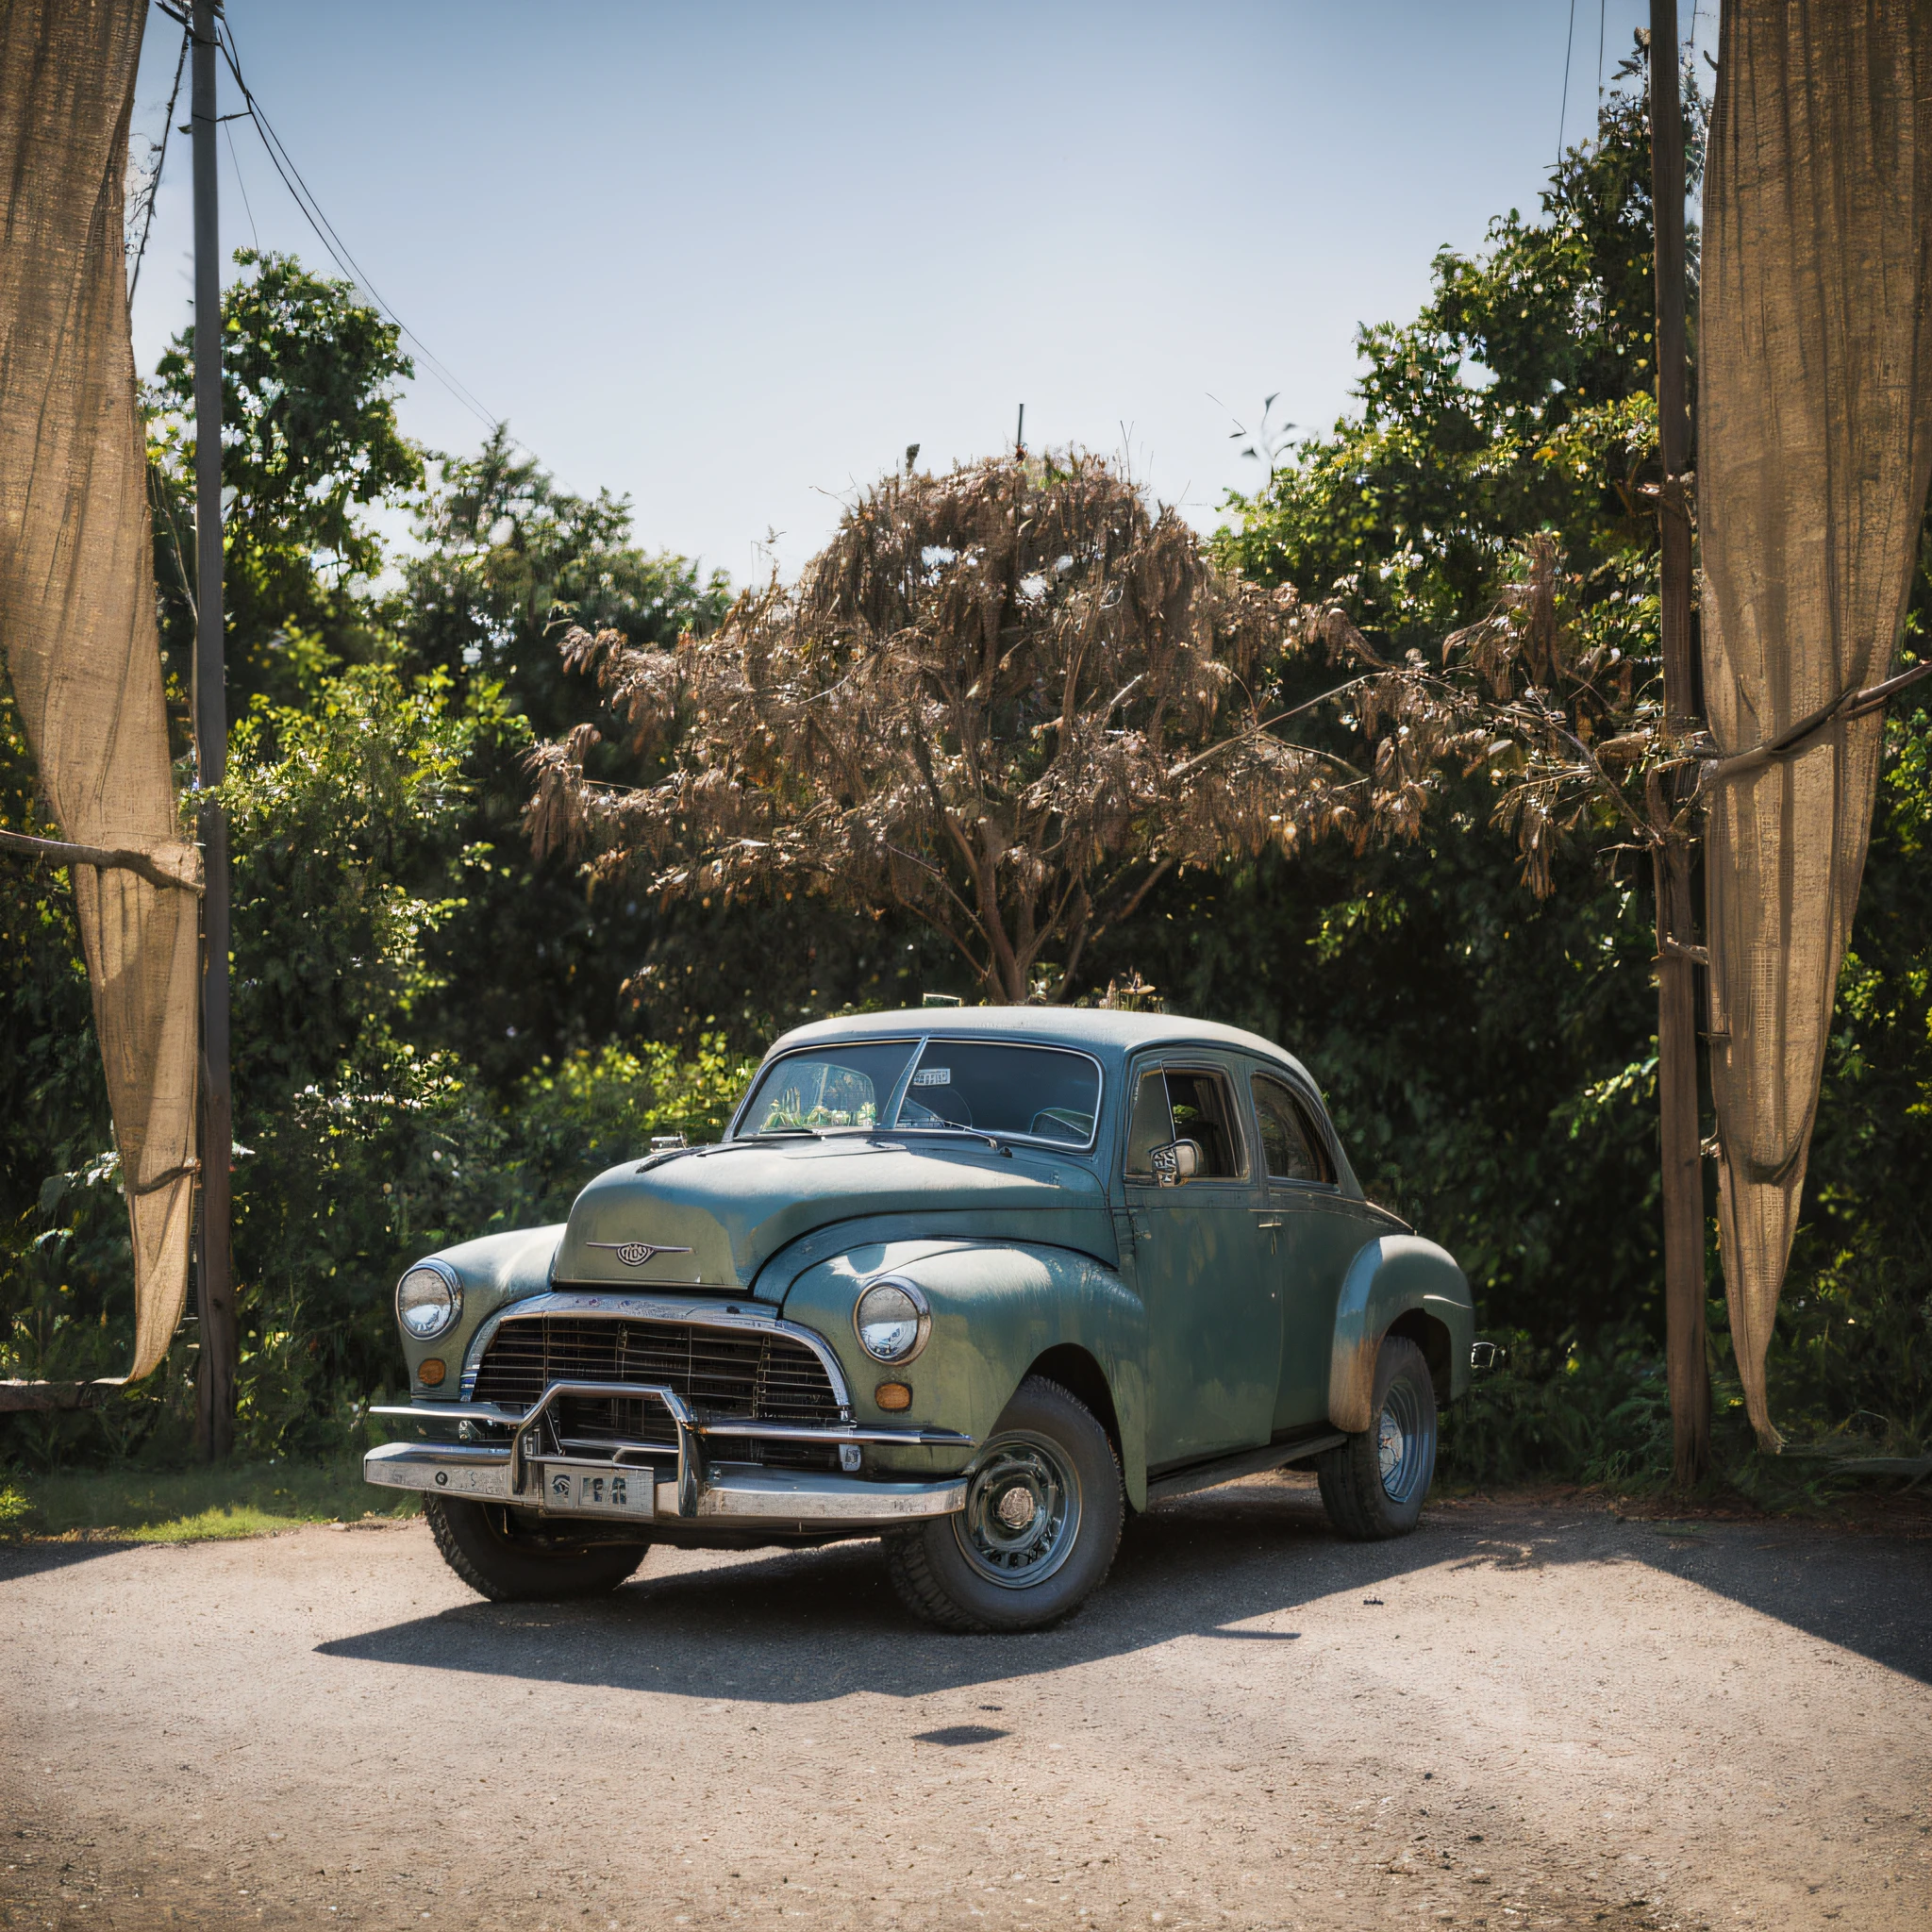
{"x": 933, "y": 1077}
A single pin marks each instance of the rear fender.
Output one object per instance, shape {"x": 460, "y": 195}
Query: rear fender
{"x": 1398, "y": 1281}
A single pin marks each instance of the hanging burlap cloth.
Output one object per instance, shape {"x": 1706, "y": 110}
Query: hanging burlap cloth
{"x": 76, "y": 595}
{"x": 1814, "y": 408}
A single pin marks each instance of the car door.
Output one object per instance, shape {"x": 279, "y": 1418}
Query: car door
{"x": 1316, "y": 1233}
{"x": 1201, "y": 1262}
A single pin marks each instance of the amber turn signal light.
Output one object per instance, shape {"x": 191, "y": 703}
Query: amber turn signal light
{"x": 431, "y": 1372}
{"x": 893, "y": 1395}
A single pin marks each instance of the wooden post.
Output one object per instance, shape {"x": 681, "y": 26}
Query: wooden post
{"x": 220, "y": 1350}
{"x": 1676, "y": 1026}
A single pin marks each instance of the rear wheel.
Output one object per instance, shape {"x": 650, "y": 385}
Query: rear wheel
{"x": 509, "y": 1556}
{"x": 1374, "y": 1485}
{"x": 1042, "y": 1519}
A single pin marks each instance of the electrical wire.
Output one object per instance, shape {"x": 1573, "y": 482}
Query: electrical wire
{"x": 242, "y": 186}
{"x": 154, "y": 186}
{"x": 337, "y": 249}
{"x": 1563, "y": 114}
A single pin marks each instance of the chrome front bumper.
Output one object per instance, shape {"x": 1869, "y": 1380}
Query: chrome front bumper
{"x": 639, "y": 1482}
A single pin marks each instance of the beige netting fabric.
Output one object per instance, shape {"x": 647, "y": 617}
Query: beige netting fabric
{"x": 1815, "y": 439}
{"x": 76, "y": 595}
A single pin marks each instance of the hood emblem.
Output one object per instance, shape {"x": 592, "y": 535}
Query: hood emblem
{"x": 634, "y": 1253}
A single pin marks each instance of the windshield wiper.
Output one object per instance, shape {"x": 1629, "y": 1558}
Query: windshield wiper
{"x": 993, "y": 1141}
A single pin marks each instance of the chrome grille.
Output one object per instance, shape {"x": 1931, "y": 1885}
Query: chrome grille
{"x": 720, "y": 1372}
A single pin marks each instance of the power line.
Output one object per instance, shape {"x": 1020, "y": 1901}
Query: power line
{"x": 154, "y": 186}
{"x": 243, "y": 186}
{"x": 332, "y": 243}
{"x": 1563, "y": 114}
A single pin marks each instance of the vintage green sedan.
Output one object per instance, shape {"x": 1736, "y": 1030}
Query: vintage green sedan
{"x": 978, "y": 1282}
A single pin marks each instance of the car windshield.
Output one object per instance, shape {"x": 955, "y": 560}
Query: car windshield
{"x": 1042, "y": 1092}
{"x": 827, "y": 1087}
{"x": 1033, "y": 1092}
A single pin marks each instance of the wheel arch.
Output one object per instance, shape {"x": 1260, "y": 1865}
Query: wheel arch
{"x": 1432, "y": 1335}
{"x": 1401, "y": 1285}
{"x": 1080, "y": 1374}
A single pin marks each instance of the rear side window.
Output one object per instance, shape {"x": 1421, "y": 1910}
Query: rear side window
{"x": 1292, "y": 1148}
{"x": 1174, "y": 1105}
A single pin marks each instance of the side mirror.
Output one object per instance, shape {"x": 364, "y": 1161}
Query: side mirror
{"x": 1178, "y": 1162}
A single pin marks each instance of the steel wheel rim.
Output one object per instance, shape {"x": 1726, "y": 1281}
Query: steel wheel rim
{"x": 1405, "y": 1441}
{"x": 1023, "y": 1511}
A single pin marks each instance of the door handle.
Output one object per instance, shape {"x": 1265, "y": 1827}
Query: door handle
{"x": 1273, "y": 1220}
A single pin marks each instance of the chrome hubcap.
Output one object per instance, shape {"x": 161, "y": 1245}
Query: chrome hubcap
{"x": 1405, "y": 1442}
{"x": 1391, "y": 1447}
{"x": 1022, "y": 1513}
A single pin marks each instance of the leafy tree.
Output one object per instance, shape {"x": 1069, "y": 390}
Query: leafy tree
{"x": 505, "y": 560}
{"x": 309, "y": 439}
{"x": 1521, "y": 399}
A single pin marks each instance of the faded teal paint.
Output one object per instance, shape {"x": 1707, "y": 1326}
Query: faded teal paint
{"x": 1201, "y": 1264}
{"x": 736, "y": 1204}
{"x": 1321, "y": 1234}
{"x": 996, "y": 1308}
{"x": 1019, "y": 1252}
{"x": 1387, "y": 1278}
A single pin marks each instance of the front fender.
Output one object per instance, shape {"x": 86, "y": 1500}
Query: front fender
{"x": 1389, "y": 1278}
{"x": 996, "y": 1308}
{"x": 496, "y": 1269}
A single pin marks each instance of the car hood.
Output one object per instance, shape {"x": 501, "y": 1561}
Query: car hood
{"x": 714, "y": 1216}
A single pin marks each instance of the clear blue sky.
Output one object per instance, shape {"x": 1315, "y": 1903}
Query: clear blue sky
{"x": 731, "y": 258}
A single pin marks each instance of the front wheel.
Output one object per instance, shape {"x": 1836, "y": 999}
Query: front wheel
{"x": 1042, "y": 1519}
{"x": 1373, "y": 1484}
{"x": 506, "y": 1556}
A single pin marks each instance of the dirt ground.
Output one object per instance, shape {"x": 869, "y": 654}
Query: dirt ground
{"x": 1528, "y": 1714}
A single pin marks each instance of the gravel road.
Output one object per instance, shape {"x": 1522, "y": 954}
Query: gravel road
{"x": 1521, "y": 1716}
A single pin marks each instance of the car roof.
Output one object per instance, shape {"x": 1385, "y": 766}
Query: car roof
{"x": 1098, "y": 1030}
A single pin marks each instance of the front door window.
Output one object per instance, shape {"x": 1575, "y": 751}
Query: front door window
{"x": 1186, "y": 1104}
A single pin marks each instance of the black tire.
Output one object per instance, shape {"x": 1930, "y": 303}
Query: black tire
{"x": 992, "y": 1569}
{"x": 1368, "y": 1496}
{"x": 507, "y": 1555}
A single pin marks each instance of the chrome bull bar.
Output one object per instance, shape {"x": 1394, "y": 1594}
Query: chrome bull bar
{"x": 691, "y": 1431}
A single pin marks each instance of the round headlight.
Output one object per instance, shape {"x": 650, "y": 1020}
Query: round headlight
{"x": 893, "y": 1320}
{"x": 427, "y": 1301}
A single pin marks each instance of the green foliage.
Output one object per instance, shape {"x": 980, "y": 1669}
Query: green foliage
{"x": 1853, "y": 1347}
{"x": 506, "y": 559}
{"x": 1520, "y": 399}
{"x": 310, "y": 374}
{"x": 344, "y": 814}
{"x": 1593, "y": 1410}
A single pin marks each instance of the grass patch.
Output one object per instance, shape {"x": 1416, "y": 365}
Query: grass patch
{"x": 192, "y": 1505}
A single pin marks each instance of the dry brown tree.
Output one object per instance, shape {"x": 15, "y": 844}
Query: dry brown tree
{"x": 1567, "y": 724}
{"x": 1009, "y": 699}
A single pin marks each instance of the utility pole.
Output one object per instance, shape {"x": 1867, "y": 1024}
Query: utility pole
{"x": 220, "y": 1350}
{"x": 1676, "y": 1018}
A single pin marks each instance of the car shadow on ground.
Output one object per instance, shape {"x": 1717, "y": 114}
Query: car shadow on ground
{"x": 807, "y": 1626}
{"x": 33, "y": 1558}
